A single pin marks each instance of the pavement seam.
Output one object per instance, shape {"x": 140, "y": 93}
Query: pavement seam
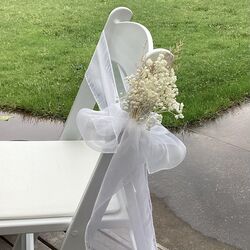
{"x": 219, "y": 140}
{"x": 160, "y": 247}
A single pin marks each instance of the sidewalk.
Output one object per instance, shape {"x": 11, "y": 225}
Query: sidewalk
{"x": 209, "y": 191}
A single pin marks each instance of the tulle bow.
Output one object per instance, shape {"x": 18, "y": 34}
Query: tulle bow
{"x": 104, "y": 130}
{"x": 137, "y": 152}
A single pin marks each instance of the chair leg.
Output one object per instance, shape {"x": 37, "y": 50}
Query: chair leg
{"x": 20, "y": 243}
{"x": 24, "y": 242}
{"x": 75, "y": 236}
{"x": 30, "y": 242}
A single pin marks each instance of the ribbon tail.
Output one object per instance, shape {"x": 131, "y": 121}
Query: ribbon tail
{"x": 164, "y": 150}
{"x": 126, "y": 167}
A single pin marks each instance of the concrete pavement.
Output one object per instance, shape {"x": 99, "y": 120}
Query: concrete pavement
{"x": 209, "y": 191}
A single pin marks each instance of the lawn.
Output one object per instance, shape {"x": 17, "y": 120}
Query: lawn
{"x": 46, "y": 45}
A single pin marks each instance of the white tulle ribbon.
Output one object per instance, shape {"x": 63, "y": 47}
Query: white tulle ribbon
{"x": 136, "y": 151}
{"x": 103, "y": 131}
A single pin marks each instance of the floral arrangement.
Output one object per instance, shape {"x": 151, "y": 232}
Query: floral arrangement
{"x": 152, "y": 91}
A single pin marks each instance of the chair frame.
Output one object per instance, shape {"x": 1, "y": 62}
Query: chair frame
{"x": 118, "y": 18}
{"x": 118, "y": 23}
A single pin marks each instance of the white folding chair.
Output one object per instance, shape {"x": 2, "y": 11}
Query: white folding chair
{"x": 42, "y": 182}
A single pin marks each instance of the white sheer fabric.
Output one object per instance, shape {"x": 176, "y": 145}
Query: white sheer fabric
{"x": 137, "y": 151}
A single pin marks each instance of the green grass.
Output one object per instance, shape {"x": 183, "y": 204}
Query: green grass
{"x": 46, "y": 45}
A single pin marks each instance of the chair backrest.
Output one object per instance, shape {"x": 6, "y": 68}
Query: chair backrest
{"x": 128, "y": 42}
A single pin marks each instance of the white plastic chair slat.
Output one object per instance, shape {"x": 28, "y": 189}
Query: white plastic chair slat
{"x": 128, "y": 50}
{"x": 8, "y": 227}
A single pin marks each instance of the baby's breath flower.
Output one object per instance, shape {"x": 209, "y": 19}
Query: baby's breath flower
{"x": 152, "y": 90}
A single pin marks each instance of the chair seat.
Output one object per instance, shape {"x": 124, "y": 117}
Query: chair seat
{"x": 45, "y": 179}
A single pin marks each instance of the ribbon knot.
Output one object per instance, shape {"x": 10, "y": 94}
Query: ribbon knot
{"x": 105, "y": 130}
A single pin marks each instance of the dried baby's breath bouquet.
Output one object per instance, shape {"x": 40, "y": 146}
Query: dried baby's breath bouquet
{"x": 152, "y": 91}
